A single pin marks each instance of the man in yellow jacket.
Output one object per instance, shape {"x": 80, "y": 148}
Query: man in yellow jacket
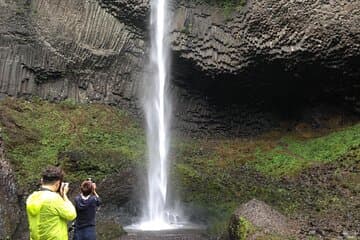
{"x": 49, "y": 209}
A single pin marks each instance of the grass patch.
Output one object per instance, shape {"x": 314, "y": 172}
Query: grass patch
{"x": 291, "y": 155}
{"x": 86, "y": 140}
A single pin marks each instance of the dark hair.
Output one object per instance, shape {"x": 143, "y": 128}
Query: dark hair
{"x": 86, "y": 188}
{"x": 52, "y": 174}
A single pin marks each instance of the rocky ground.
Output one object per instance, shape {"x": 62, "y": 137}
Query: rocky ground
{"x": 337, "y": 214}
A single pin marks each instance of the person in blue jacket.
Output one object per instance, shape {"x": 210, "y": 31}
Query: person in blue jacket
{"x": 86, "y": 204}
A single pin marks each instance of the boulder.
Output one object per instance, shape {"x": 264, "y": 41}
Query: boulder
{"x": 257, "y": 220}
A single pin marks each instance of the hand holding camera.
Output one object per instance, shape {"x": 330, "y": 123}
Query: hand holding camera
{"x": 93, "y": 188}
{"x": 64, "y": 188}
{"x": 93, "y": 185}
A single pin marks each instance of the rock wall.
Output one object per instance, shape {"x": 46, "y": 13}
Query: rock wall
{"x": 10, "y": 211}
{"x": 243, "y": 71}
{"x": 68, "y": 49}
{"x": 233, "y": 72}
{"x": 295, "y": 31}
{"x": 132, "y": 12}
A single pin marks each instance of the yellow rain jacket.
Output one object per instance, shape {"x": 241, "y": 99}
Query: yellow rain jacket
{"x": 48, "y": 214}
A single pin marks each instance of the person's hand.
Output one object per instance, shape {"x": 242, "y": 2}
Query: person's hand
{"x": 94, "y": 189}
{"x": 64, "y": 188}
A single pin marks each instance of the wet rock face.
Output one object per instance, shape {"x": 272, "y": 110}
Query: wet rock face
{"x": 292, "y": 31}
{"x": 9, "y": 205}
{"x": 269, "y": 57}
{"x": 118, "y": 188}
{"x": 70, "y": 49}
{"x": 133, "y": 12}
{"x": 232, "y": 74}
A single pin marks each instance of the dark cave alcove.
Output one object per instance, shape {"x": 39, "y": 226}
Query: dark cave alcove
{"x": 260, "y": 98}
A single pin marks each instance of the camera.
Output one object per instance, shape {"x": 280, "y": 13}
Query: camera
{"x": 62, "y": 187}
{"x": 89, "y": 179}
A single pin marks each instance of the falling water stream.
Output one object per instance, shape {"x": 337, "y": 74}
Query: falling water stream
{"x": 157, "y": 112}
{"x": 157, "y": 116}
{"x": 158, "y": 213}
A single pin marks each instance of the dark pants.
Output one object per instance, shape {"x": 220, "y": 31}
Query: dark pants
{"x": 86, "y": 233}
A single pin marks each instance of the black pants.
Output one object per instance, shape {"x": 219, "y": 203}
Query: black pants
{"x": 86, "y": 233}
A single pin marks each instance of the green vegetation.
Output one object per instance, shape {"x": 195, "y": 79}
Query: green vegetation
{"x": 219, "y": 174}
{"x": 85, "y": 140}
{"x": 245, "y": 229}
{"x": 291, "y": 155}
{"x": 212, "y": 175}
{"x": 240, "y": 228}
{"x": 187, "y": 29}
{"x": 230, "y": 6}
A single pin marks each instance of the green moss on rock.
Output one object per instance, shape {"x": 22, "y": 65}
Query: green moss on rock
{"x": 240, "y": 228}
{"x": 86, "y": 140}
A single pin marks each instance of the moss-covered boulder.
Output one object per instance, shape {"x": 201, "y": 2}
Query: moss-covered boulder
{"x": 257, "y": 220}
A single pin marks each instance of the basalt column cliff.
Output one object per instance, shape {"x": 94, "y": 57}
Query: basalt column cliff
{"x": 231, "y": 69}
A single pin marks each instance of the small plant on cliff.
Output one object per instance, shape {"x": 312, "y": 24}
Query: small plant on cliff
{"x": 186, "y": 29}
{"x": 230, "y": 6}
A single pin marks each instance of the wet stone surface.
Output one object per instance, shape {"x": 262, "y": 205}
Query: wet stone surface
{"x": 166, "y": 235}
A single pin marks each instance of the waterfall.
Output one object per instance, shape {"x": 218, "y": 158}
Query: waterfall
{"x": 158, "y": 213}
{"x": 157, "y": 113}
